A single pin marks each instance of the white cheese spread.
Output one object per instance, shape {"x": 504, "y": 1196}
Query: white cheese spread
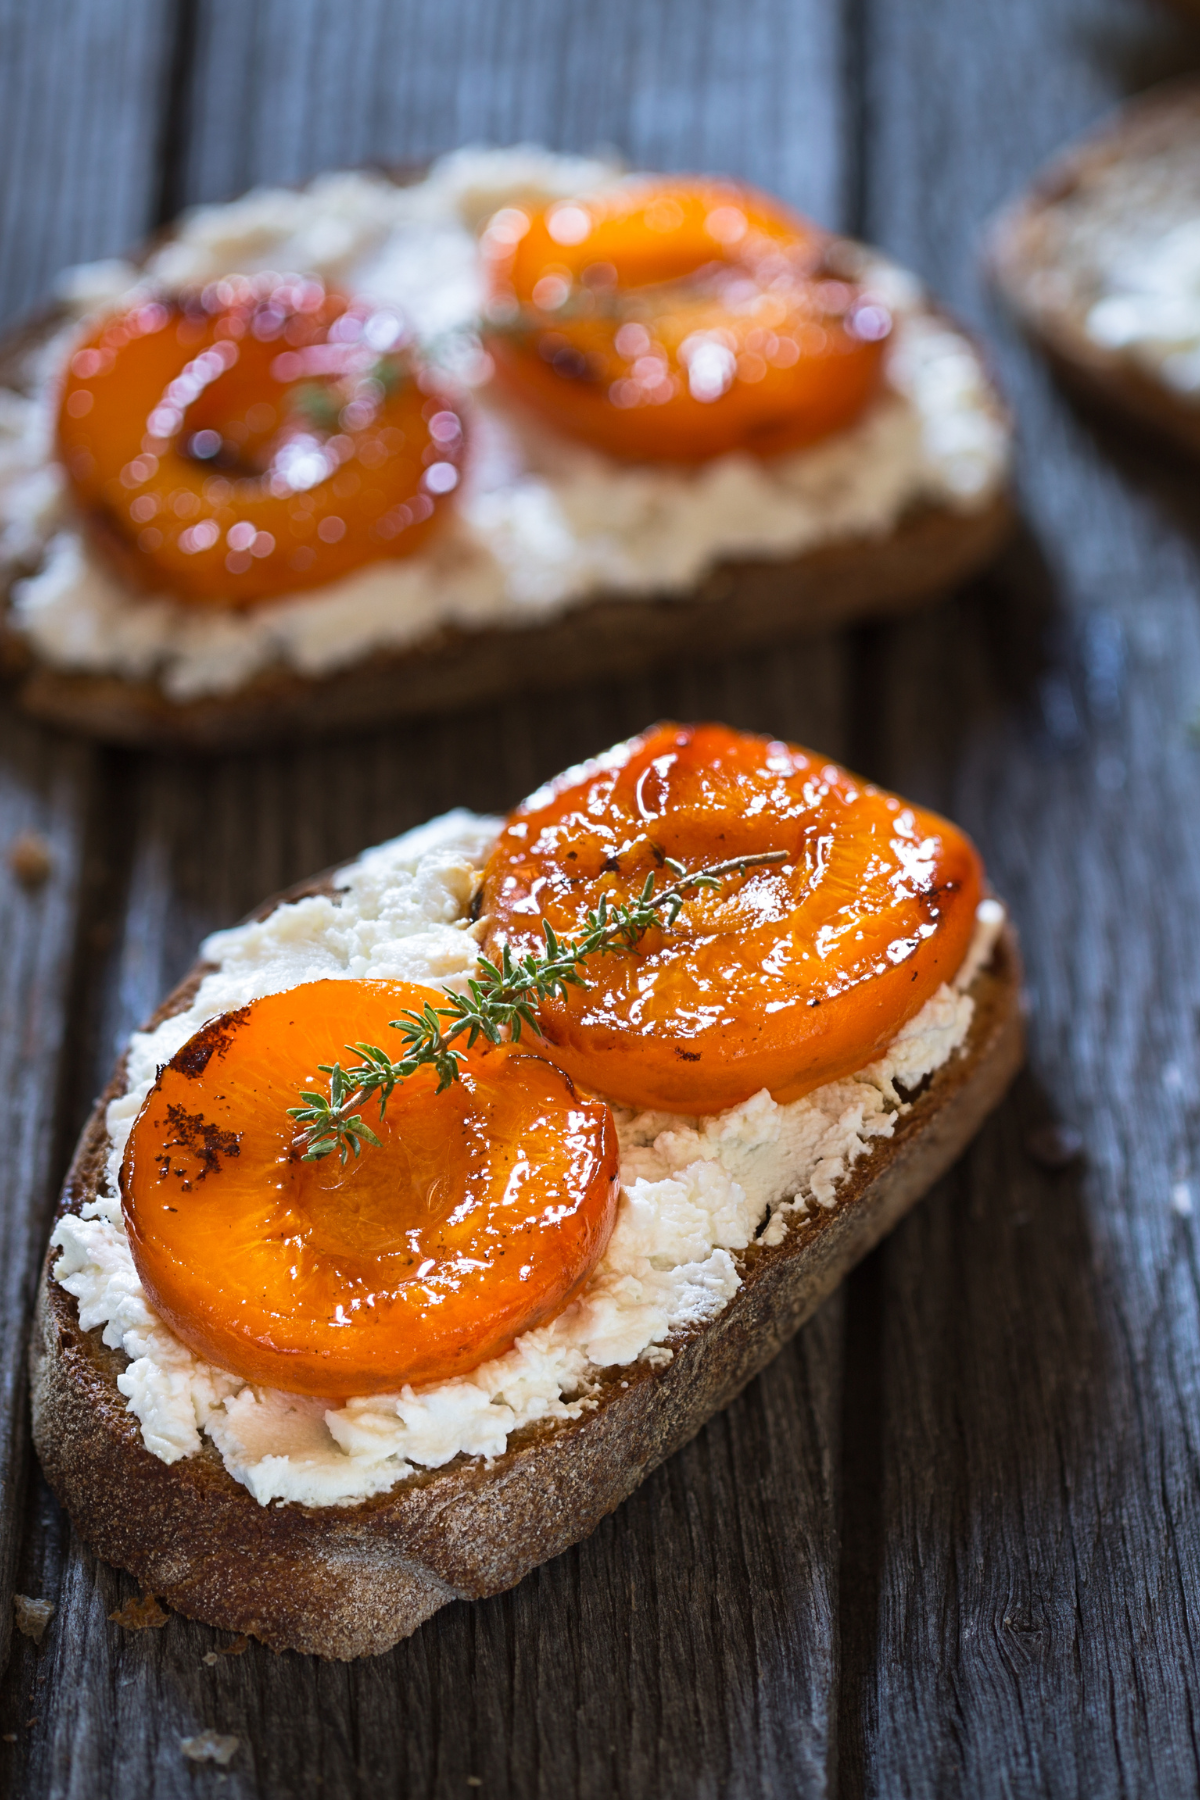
{"x": 540, "y": 524}
{"x": 693, "y": 1194}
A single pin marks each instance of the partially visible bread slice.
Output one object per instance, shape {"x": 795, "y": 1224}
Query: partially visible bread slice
{"x": 351, "y": 1581}
{"x": 1035, "y": 247}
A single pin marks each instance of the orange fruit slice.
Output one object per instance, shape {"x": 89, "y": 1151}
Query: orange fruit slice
{"x": 679, "y": 319}
{"x": 261, "y": 438}
{"x": 785, "y": 977}
{"x": 479, "y": 1217}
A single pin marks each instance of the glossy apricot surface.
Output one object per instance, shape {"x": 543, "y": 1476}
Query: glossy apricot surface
{"x": 478, "y": 1218}
{"x": 677, "y": 319}
{"x": 261, "y": 438}
{"x": 786, "y": 977}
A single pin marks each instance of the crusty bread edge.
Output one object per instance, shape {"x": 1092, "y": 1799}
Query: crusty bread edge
{"x": 1015, "y": 258}
{"x": 343, "y": 1582}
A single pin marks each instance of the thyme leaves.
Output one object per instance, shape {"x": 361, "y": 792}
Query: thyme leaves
{"x": 499, "y": 1004}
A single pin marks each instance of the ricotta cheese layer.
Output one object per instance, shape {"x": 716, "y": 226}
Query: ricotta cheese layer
{"x": 693, "y": 1194}
{"x": 540, "y": 524}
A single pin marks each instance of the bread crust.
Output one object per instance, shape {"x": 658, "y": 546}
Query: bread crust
{"x": 1022, "y": 255}
{"x": 738, "y": 605}
{"x": 348, "y": 1581}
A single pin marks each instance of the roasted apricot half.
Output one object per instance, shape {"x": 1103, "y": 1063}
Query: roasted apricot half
{"x": 478, "y": 1217}
{"x": 260, "y": 438}
{"x": 785, "y": 977}
{"x": 679, "y": 319}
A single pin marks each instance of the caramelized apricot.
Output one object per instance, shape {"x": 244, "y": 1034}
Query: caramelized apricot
{"x": 261, "y": 438}
{"x": 678, "y": 320}
{"x": 478, "y": 1218}
{"x": 785, "y": 977}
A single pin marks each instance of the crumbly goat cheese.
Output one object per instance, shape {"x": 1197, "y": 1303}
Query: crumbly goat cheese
{"x": 1121, "y": 256}
{"x": 541, "y": 524}
{"x": 694, "y": 1193}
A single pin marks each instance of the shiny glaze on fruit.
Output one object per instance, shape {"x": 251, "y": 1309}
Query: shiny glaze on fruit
{"x": 478, "y": 1217}
{"x": 260, "y": 438}
{"x": 678, "y": 319}
{"x": 784, "y": 978}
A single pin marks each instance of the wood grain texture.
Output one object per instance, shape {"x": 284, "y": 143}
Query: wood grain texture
{"x": 1034, "y": 1568}
{"x": 42, "y": 789}
{"x": 281, "y": 90}
{"x": 80, "y": 98}
{"x": 83, "y": 86}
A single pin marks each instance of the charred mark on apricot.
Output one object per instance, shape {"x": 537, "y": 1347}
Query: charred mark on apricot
{"x": 935, "y": 891}
{"x": 197, "y": 1135}
{"x": 211, "y": 1040}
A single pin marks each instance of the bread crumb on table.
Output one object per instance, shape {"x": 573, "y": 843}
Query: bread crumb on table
{"x": 209, "y": 1746}
{"x": 30, "y": 859}
{"x": 32, "y": 1616}
{"x": 1054, "y": 1146}
{"x": 140, "y": 1615}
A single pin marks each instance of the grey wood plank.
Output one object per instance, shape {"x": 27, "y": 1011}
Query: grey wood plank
{"x": 283, "y": 90}
{"x": 79, "y": 115}
{"x": 43, "y": 790}
{"x": 1029, "y": 1595}
{"x": 82, "y": 87}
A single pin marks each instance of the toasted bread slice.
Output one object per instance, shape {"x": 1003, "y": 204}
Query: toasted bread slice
{"x": 738, "y": 605}
{"x": 347, "y": 1581}
{"x": 1037, "y": 250}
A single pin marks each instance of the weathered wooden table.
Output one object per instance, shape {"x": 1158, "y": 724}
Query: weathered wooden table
{"x": 950, "y": 1543}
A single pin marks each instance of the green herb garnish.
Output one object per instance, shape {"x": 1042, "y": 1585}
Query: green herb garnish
{"x": 317, "y": 404}
{"x": 498, "y": 1004}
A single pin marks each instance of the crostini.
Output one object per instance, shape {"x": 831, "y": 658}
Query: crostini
{"x": 519, "y": 422}
{"x": 453, "y": 1191}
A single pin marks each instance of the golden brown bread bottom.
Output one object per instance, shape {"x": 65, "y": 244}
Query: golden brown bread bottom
{"x": 1022, "y": 256}
{"x": 737, "y": 606}
{"x": 351, "y": 1581}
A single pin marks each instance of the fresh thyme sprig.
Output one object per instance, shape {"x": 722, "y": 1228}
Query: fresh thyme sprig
{"x": 319, "y": 403}
{"x": 498, "y": 1005}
